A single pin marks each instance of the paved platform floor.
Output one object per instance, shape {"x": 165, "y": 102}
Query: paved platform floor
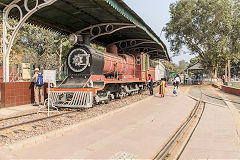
{"x": 13, "y": 111}
{"x": 140, "y": 130}
{"x": 231, "y": 97}
{"x": 136, "y": 132}
{"x": 215, "y": 137}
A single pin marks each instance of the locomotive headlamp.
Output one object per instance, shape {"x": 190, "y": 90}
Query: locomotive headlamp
{"x": 72, "y": 38}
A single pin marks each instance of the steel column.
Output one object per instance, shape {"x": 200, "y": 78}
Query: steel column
{"x": 5, "y": 69}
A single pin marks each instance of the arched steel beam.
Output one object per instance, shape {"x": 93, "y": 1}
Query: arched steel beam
{"x": 104, "y": 29}
{"x": 10, "y": 32}
{"x": 131, "y": 43}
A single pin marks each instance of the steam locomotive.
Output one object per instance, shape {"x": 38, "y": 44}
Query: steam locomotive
{"x": 106, "y": 75}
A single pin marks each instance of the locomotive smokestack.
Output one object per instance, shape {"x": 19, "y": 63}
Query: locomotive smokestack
{"x": 86, "y": 39}
{"x": 112, "y": 49}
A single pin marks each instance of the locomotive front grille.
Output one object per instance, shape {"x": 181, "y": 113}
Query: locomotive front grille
{"x": 73, "y": 99}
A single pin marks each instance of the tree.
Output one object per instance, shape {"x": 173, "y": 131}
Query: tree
{"x": 182, "y": 65}
{"x": 209, "y": 29}
{"x": 194, "y": 61}
{"x": 36, "y": 45}
{"x": 64, "y": 47}
{"x": 171, "y": 67}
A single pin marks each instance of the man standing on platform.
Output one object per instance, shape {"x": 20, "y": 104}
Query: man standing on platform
{"x": 178, "y": 80}
{"x": 150, "y": 83}
{"x": 38, "y": 87}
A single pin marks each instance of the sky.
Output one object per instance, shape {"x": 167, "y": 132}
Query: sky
{"x": 155, "y": 14}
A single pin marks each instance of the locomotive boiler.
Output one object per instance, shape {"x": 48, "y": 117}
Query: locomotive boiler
{"x": 102, "y": 75}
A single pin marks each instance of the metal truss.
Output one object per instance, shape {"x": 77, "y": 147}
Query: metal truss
{"x": 10, "y": 32}
{"x": 128, "y": 44}
{"x": 104, "y": 29}
{"x": 153, "y": 52}
{"x": 156, "y": 55}
{"x": 147, "y": 50}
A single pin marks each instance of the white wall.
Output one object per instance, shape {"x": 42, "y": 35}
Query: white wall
{"x": 159, "y": 71}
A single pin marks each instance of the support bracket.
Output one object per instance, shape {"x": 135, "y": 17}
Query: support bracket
{"x": 128, "y": 44}
{"x": 147, "y": 50}
{"x": 104, "y": 29}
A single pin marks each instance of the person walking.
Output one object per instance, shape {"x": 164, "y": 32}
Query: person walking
{"x": 177, "y": 79}
{"x": 150, "y": 83}
{"x": 162, "y": 87}
{"x": 223, "y": 79}
{"x": 38, "y": 87}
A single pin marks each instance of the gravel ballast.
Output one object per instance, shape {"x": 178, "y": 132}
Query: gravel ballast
{"x": 19, "y": 133}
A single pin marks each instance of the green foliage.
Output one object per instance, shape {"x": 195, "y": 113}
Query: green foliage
{"x": 194, "y": 61}
{"x": 101, "y": 48}
{"x": 66, "y": 46}
{"x": 209, "y": 29}
{"x": 37, "y": 46}
{"x": 182, "y": 65}
{"x": 171, "y": 67}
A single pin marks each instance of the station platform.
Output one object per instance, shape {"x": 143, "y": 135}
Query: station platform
{"x": 215, "y": 137}
{"x": 140, "y": 130}
{"x": 136, "y": 132}
{"x": 18, "y": 110}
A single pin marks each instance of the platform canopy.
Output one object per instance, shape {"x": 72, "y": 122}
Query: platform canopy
{"x": 71, "y": 16}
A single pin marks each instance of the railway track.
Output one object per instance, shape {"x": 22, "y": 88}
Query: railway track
{"x": 4, "y": 127}
{"x": 18, "y": 116}
{"x": 20, "y": 120}
{"x": 175, "y": 145}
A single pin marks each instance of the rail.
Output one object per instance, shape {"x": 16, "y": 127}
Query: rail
{"x": 176, "y": 144}
{"x": 30, "y": 121}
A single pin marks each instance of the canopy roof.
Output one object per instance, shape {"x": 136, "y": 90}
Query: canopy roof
{"x": 196, "y": 66}
{"x": 70, "y": 16}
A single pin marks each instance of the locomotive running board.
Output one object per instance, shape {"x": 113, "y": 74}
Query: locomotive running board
{"x": 71, "y": 99}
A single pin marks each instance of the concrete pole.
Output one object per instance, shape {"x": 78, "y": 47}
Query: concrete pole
{"x": 226, "y": 71}
{"x": 60, "y": 61}
{"x": 146, "y": 68}
{"x": 229, "y": 70}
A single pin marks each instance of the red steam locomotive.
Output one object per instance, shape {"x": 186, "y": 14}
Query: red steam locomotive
{"x": 96, "y": 77}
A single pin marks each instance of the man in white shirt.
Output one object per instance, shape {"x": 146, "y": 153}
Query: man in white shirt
{"x": 177, "y": 79}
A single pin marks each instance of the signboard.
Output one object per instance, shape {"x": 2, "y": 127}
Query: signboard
{"x": 26, "y": 71}
{"x": 49, "y": 76}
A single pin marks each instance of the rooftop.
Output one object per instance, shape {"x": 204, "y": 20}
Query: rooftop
{"x": 70, "y": 16}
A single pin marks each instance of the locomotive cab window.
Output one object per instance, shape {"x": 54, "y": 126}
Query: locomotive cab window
{"x": 138, "y": 60}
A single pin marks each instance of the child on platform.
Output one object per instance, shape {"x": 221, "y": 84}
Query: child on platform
{"x": 175, "y": 88}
